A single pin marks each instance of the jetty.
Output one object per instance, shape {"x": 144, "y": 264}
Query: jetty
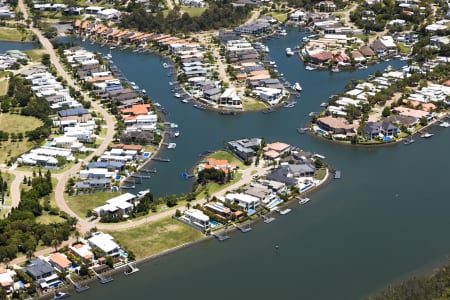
{"x": 244, "y": 229}
{"x": 130, "y": 269}
{"x": 78, "y": 288}
{"x": 148, "y": 170}
{"x": 104, "y": 280}
{"x": 128, "y": 187}
{"x": 140, "y": 176}
{"x": 221, "y": 237}
{"x": 285, "y": 211}
{"x": 302, "y": 130}
{"x": 268, "y": 220}
{"x": 160, "y": 159}
{"x": 337, "y": 174}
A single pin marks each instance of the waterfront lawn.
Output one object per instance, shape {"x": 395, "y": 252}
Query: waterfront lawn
{"x": 35, "y": 54}
{"x": 253, "y": 104}
{"x": 280, "y": 17}
{"x": 220, "y": 155}
{"x": 403, "y": 48}
{"x": 155, "y": 237}
{"x": 213, "y": 187}
{"x": 81, "y": 204}
{"x": 320, "y": 174}
{"x": 12, "y": 35}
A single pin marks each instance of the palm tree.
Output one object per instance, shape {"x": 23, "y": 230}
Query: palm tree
{"x": 29, "y": 254}
{"x": 55, "y": 243}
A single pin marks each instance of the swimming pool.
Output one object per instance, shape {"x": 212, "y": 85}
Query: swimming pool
{"x": 146, "y": 155}
{"x": 123, "y": 253}
{"x": 274, "y": 203}
{"x": 214, "y": 223}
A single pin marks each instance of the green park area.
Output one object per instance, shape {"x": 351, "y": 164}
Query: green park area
{"x": 155, "y": 237}
{"x": 16, "y": 127}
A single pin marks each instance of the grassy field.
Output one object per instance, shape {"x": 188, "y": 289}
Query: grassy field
{"x": 155, "y": 237}
{"x": 280, "y": 17}
{"x": 320, "y": 174}
{"x": 253, "y": 104}
{"x": 35, "y": 54}
{"x": 13, "y": 149}
{"x": 403, "y": 48}
{"x": 17, "y": 123}
{"x": 12, "y": 35}
{"x": 215, "y": 187}
{"x": 3, "y": 86}
{"x": 80, "y": 204}
{"x": 193, "y": 11}
{"x": 229, "y": 157}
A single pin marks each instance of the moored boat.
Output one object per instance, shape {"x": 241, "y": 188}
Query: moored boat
{"x": 426, "y": 135}
{"x": 297, "y": 87}
{"x": 289, "y": 52}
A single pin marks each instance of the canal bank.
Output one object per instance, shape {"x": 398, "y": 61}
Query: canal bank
{"x": 372, "y": 228}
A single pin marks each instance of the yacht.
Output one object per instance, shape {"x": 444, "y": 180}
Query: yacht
{"x": 141, "y": 194}
{"x": 303, "y": 201}
{"x": 426, "y": 135}
{"x": 335, "y": 69}
{"x": 285, "y": 211}
{"x": 60, "y": 295}
{"x": 176, "y": 134}
{"x": 444, "y": 124}
{"x": 310, "y": 68}
{"x": 165, "y": 65}
{"x": 185, "y": 100}
{"x": 289, "y": 52}
{"x": 177, "y": 95}
{"x": 297, "y": 87}
{"x": 266, "y": 49}
{"x": 108, "y": 56}
{"x": 171, "y": 146}
{"x": 283, "y": 32}
{"x": 388, "y": 69}
{"x": 305, "y": 39}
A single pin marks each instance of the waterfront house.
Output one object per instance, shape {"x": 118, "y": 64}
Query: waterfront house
{"x": 269, "y": 95}
{"x": 109, "y": 165}
{"x": 262, "y": 192}
{"x": 218, "y": 209}
{"x": 439, "y": 41}
{"x": 80, "y": 114}
{"x": 245, "y": 148}
{"x": 42, "y": 272}
{"x": 196, "y": 218}
{"x": 256, "y": 27}
{"x": 246, "y": 202}
{"x": 60, "y": 262}
{"x": 230, "y": 98}
{"x": 83, "y": 251}
{"x": 297, "y": 16}
{"x": 7, "y": 280}
{"x": 282, "y": 174}
{"x": 137, "y": 137}
{"x": 93, "y": 183}
{"x": 96, "y": 173}
{"x": 105, "y": 242}
{"x": 336, "y": 125}
{"x": 219, "y": 164}
{"x": 374, "y": 130}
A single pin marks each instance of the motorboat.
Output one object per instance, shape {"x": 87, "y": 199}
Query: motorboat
{"x": 297, "y": 87}
{"x": 289, "y": 52}
{"x": 165, "y": 65}
{"x": 60, "y": 295}
{"x": 426, "y": 135}
{"x": 282, "y": 32}
{"x": 141, "y": 194}
{"x": 335, "y": 69}
{"x": 408, "y": 141}
{"x": 185, "y": 101}
{"x": 444, "y": 124}
{"x": 310, "y": 68}
{"x": 177, "y": 95}
{"x": 176, "y": 134}
{"x": 388, "y": 68}
{"x": 171, "y": 146}
{"x": 108, "y": 56}
{"x": 303, "y": 201}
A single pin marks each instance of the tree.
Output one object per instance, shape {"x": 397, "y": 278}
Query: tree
{"x": 45, "y": 59}
{"x": 55, "y": 243}
{"x": 386, "y": 112}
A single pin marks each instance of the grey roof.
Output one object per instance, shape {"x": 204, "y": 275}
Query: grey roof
{"x": 73, "y": 112}
{"x": 212, "y": 92}
{"x": 105, "y": 164}
{"x": 280, "y": 175}
{"x": 301, "y": 168}
{"x": 405, "y": 120}
{"x": 39, "y": 267}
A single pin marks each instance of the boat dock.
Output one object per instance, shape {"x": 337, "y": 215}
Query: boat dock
{"x": 221, "y": 237}
{"x": 148, "y": 171}
{"x": 302, "y": 130}
{"x": 244, "y": 229}
{"x": 268, "y": 220}
{"x": 140, "y": 176}
{"x": 128, "y": 187}
{"x": 337, "y": 174}
{"x": 285, "y": 211}
{"x": 130, "y": 269}
{"x": 78, "y": 288}
{"x": 104, "y": 280}
{"x": 160, "y": 159}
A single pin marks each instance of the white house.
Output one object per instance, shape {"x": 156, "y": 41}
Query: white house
{"x": 120, "y": 205}
{"x": 269, "y": 95}
{"x": 197, "y": 218}
{"x": 230, "y": 98}
{"x": 245, "y": 201}
{"x": 105, "y": 242}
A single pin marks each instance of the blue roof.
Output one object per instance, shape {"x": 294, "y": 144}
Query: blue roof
{"x": 105, "y": 164}
{"x": 73, "y": 112}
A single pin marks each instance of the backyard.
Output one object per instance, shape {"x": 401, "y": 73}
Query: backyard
{"x": 81, "y": 204}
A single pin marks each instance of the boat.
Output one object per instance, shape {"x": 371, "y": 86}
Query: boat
{"x": 170, "y": 83}
{"x": 444, "y": 124}
{"x": 200, "y": 107}
{"x": 285, "y": 211}
{"x": 171, "y": 146}
{"x": 185, "y": 100}
{"x": 176, "y": 134}
{"x": 165, "y": 65}
{"x": 141, "y": 194}
{"x": 266, "y": 49}
{"x": 60, "y": 295}
{"x": 426, "y": 135}
{"x": 303, "y": 201}
{"x": 289, "y": 52}
{"x": 305, "y": 39}
{"x": 289, "y": 104}
{"x": 177, "y": 95}
{"x": 108, "y": 56}
{"x": 408, "y": 141}
{"x": 324, "y": 104}
{"x": 112, "y": 47}
{"x": 268, "y": 111}
{"x": 362, "y": 67}
{"x": 283, "y": 32}
{"x": 388, "y": 68}
{"x": 335, "y": 69}
{"x": 297, "y": 87}
{"x": 310, "y": 68}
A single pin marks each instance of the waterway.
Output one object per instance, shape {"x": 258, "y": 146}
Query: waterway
{"x": 386, "y": 219}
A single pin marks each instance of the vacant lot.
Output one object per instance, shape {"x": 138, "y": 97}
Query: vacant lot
{"x": 17, "y": 123}
{"x": 155, "y": 237}
{"x": 81, "y": 204}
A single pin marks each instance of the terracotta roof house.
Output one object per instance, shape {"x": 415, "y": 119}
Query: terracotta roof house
{"x": 366, "y": 51}
{"x": 60, "y": 261}
{"x": 336, "y": 125}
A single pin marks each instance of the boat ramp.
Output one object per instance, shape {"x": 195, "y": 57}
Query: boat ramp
{"x": 268, "y": 219}
{"x": 221, "y": 237}
{"x": 130, "y": 269}
{"x": 244, "y": 228}
{"x": 103, "y": 279}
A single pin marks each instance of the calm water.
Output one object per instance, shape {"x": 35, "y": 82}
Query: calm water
{"x": 5, "y": 46}
{"x": 383, "y": 221}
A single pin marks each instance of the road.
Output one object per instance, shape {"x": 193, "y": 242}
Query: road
{"x": 83, "y": 225}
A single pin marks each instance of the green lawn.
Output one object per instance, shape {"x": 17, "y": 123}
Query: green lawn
{"x": 280, "y": 17}
{"x": 403, "y": 48}
{"x": 155, "y": 237}
{"x": 194, "y": 11}
{"x": 253, "y": 104}
{"x": 81, "y": 204}
{"x": 12, "y": 34}
{"x": 46, "y": 218}
{"x": 3, "y": 86}
{"x": 18, "y": 123}
{"x": 228, "y": 156}
{"x": 12, "y": 149}
{"x": 213, "y": 187}
{"x": 320, "y": 174}
{"x": 35, "y": 54}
